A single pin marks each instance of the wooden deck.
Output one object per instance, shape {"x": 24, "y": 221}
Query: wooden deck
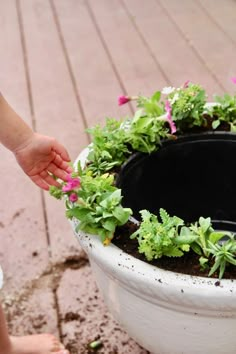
{"x": 63, "y": 65}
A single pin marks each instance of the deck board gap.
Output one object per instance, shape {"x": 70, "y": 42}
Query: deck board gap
{"x": 26, "y": 64}
{"x": 215, "y": 22}
{"x": 106, "y": 49}
{"x": 145, "y": 43}
{"x": 69, "y": 66}
{"x": 190, "y": 44}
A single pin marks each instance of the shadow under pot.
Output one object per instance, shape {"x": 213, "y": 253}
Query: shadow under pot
{"x": 190, "y": 177}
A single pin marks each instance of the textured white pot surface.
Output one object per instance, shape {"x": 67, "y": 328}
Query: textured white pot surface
{"x": 165, "y": 312}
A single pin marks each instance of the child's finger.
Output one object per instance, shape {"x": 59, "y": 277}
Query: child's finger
{"x": 60, "y": 150}
{"x": 49, "y": 179}
{"x": 40, "y": 182}
{"x": 57, "y": 171}
{"x": 62, "y": 164}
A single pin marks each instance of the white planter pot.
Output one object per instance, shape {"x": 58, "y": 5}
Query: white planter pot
{"x": 165, "y": 312}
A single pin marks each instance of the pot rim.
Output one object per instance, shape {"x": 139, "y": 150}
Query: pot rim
{"x": 96, "y": 249}
{"x": 182, "y": 139}
{"x": 178, "y": 291}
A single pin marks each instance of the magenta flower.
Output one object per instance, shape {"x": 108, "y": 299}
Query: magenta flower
{"x": 169, "y": 118}
{"x": 71, "y": 184}
{"x": 73, "y": 197}
{"x": 233, "y": 79}
{"x": 186, "y": 84}
{"x": 123, "y": 99}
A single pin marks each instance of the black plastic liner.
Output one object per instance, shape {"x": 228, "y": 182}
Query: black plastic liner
{"x": 190, "y": 177}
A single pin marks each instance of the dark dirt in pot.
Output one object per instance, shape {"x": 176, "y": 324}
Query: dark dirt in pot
{"x": 187, "y": 264}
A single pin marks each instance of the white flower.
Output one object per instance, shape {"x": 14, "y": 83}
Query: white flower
{"x": 167, "y": 90}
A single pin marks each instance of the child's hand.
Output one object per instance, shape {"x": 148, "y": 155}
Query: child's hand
{"x": 40, "y": 156}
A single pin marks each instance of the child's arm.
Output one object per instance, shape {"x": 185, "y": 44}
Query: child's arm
{"x": 38, "y": 155}
{"x": 13, "y": 130}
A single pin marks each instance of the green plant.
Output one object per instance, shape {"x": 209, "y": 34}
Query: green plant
{"x": 224, "y": 111}
{"x": 208, "y": 241}
{"x": 223, "y": 254}
{"x": 170, "y": 237}
{"x": 97, "y": 205}
{"x": 151, "y": 106}
{"x": 203, "y": 229}
{"x": 109, "y": 147}
{"x": 188, "y": 105}
{"x": 144, "y": 133}
{"x": 162, "y": 238}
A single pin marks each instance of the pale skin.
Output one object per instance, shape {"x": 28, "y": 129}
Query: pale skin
{"x": 39, "y": 156}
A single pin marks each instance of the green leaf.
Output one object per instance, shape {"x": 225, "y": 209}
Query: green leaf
{"x": 214, "y": 268}
{"x": 122, "y": 214}
{"x": 188, "y": 239}
{"x": 137, "y": 116}
{"x": 134, "y": 235}
{"x": 89, "y": 229}
{"x": 215, "y": 124}
{"x": 109, "y": 225}
{"x": 196, "y": 248}
{"x": 203, "y": 262}
{"x": 106, "y": 214}
{"x": 165, "y": 217}
{"x": 114, "y": 197}
{"x": 173, "y": 252}
{"x": 233, "y": 127}
{"x": 55, "y": 192}
{"x": 215, "y": 236}
{"x": 185, "y": 247}
{"x": 205, "y": 223}
{"x": 222, "y": 269}
{"x": 185, "y": 231}
{"x": 143, "y": 123}
{"x": 78, "y": 212}
{"x": 79, "y": 168}
{"x": 156, "y": 96}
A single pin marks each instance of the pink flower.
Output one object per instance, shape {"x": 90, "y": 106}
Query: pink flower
{"x": 186, "y": 84}
{"x": 123, "y": 99}
{"x": 73, "y": 197}
{"x": 169, "y": 118}
{"x": 72, "y": 183}
{"x": 233, "y": 79}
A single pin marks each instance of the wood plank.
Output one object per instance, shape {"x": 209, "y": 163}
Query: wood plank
{"x": 56, "y": 109}
{"x": 55, "y": 103}
{"x": 210, "y": 42}
{"x": 12, "y": 75}
{"x": 169, "y": 45}
{"x": 32, "y": 312}
{"x": 137, "y": 68}
{"x": 22, "y": 230}
{"x": 94, "y": 320}
{"x": 223, "y": 13}
{"x": 98, "y": 82}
